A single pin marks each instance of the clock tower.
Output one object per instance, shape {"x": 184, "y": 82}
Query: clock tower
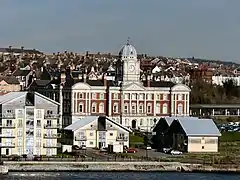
{"x": 130, "y": 64}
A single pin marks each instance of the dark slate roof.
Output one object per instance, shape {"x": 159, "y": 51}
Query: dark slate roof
{"x": 19, "y": 72}
{"x": 42, "y": 82}
{"x": 19, "y": 50}
{"x": 160, "y": 84}
{"x": 10, "y": 80}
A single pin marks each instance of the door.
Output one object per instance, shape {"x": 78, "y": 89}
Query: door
{"x": 7, "y": 151}
{"x": 134, "y": 123}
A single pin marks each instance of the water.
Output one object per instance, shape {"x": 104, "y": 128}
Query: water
{"x": 118, "y": 176}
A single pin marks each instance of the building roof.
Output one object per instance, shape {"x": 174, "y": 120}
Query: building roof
{"x": 128, "y": 51}
{"x": 10, "y": 80}
{"x": 201, "y": 127}
{"x": 169, "y": 120}
{"x": 10, "y": 96}
{"x": 220, "y": 106}
{"x": 79, "y": 123}
{"x": 20, "y": 72}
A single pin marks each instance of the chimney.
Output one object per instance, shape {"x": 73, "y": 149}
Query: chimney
{"x": 148, "y": 80}
{"x": 85, "y": 75}
{"x": 105, "y": 81}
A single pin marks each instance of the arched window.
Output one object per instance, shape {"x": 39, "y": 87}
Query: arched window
{"x": 101, "y": 107}
{"x": 165, "y": 109}
{"x": 180, "y": 109}
{"x": 158, "y": 108}
{"x": 94, "y": 107}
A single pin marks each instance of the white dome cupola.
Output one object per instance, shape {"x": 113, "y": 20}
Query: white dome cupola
{"x": 128, "y": 52}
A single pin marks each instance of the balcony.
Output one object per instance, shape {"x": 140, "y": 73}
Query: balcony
{"x": 7, "y": 145}
{"x": 122, "y": 138}
{"x": 57, "y": 145}
{"x": 52, "y": 136}
{"x": 51, "y": 116}
{"x": 80, "y": 138}
{"x": 52, "y": 126}
{"x": 7, "y": 136}
{"x": 8, "y": 116}
{"x": 7, "y": 125}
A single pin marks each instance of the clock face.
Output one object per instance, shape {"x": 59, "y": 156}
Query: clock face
{"x": 131, "y": 68}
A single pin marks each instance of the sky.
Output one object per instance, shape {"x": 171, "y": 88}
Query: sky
{"x": 176, "y": 28}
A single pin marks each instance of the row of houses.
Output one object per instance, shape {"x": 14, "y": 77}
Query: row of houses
{"x": 30, "y": 124}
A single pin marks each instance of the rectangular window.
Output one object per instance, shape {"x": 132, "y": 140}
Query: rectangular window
{"x": 110, "y": 134}
{"x": 115, "y": 108}
{"x": 80, "y": 96}
{"x": 102, "y": 96}
{"x": 125, "y": 109}
{"x": 39, "y": 114}
{"x": 91, "y": 143}
{"x": 158, "y": 97}
{"x": 133, "y": 109}
{"x": 93, "y": 95}
{"x": 149, "y": 109}
{"x": 93, "y": 108}
{"x": 38, "y": 123}
{"x": 165, "y": 97}
{"x": 115, "y": 96}
{"x": 80, "y": 108}
{"x": 141, "y": 109}
{"x": 91, "y": 134}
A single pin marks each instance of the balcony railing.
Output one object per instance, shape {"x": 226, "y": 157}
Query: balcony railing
{"x": 57, "y": 145}
{"x": 80, "y": 138}
{"x": 7, "y": 145}
{"x": 52, "y": 126}
{"x": 7, "y": 125}
{"x": 7, "y": 136}
{"x": 52, "y": 136}
{"x": 122, "y": 138}
{"x": 8, "y": 116}
{"x": 51, "y": 116}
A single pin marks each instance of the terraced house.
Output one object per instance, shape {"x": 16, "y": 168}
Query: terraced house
{"x": 29, "y": 124}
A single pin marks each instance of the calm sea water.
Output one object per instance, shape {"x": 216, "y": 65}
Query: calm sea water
{"x": 118, "y": 176}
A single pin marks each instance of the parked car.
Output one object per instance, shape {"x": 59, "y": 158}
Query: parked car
{"x": 148, "y": 148}
{"x": 131, "y": 150}
{"x": 36, "y": 158}
{"x": 167, "y": 150}
{"x": 175, "y": 152}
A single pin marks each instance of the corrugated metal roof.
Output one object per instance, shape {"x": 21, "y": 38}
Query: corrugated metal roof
{"x": 81, "y": 123}
{"x": 201, "y": 127}
{"x": 10, "y": 96}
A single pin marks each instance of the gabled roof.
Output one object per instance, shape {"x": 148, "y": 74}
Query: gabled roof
{"x": 45, "y": 97}
{"x": 118, "y": 124}
{"x": 79, "y": 123}
{"x": 10, "y": 96}
{"x": 201, "y": 127}
{"x": 169, "y": 120}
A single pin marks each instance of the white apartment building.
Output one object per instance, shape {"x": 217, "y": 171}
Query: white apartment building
{"x": 29, "y": 124}
{"x": 95, "y": 131}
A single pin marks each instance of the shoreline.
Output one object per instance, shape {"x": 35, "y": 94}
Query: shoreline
{"x": 162, "y": 167}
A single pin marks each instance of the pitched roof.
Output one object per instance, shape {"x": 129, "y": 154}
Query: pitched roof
{"x": 10, "y": 80}
{"x": 10, "y": 96}
{"x": 79, "y": 123}
{"x": 169, "y": 120}
{"x": 201, "y": 127}
{"x": 20, "y": 72}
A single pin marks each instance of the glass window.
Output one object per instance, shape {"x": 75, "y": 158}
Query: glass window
{"x": 158, "y": 108}
{"x": 115, "y": 96}
{"x": 115, "y": 108}
{"x": 141, "y": 108}
{"x": 81, "y": 108}
{"x": 101, "y": 107}
{"x": 93, "y": 107}
{"x": 125, "y": 108}
{"x": 102, "y": 96}
{"x": 164, "y": 96}
{"x": 180, "y": 97}
{"x": 134, "y": 108}
{"x": 149, "y": 108}
{"x": 165, "y": 109}
{"x": 93, "y": 95}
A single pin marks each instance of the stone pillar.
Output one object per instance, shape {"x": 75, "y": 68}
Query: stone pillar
{"x": 238, "y": 112}
{"x": 185, "y": 105}
{"x": 200, "y": 112}
{"x": 213, "y": 112}
{"x": 226, "y": 112}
